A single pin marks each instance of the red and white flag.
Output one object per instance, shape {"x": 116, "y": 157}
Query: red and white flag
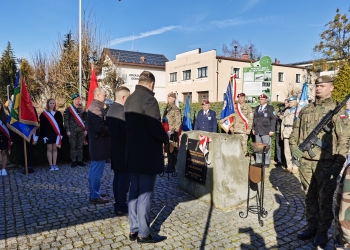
{"x": 203, "y": 142}
{"x": 55, "y": 127}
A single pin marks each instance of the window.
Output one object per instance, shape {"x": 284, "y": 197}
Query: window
{"x": 173, "y": 77}
{"x": 297, "y": 78}
{"x": 186, "y": 75}
{"x": 203, "y": 96}
{"x": 236, "y": 70}
{"x": 280, "y": 76}
{"x": 202, "y": 72}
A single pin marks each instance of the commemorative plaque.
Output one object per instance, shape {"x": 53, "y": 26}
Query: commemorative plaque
{"x": 196, "y": 166}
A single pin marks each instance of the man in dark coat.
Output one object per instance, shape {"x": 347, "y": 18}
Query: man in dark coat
{"x": 264, "y": 124}
{"x": 99, "y": 144}
{"x": 144, "y": 155}
{"x": 206, "y": 119}
{"x": 116, "y": 124}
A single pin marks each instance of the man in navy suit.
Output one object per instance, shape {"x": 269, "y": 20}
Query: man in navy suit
{"x": 206, "y": 119}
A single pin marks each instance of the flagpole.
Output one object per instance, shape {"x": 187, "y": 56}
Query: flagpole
{"x": 80, "y": 64}
{"x": 25, "y": 155}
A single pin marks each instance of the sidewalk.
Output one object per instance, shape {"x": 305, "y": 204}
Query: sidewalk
{"x": 50, "y": 210}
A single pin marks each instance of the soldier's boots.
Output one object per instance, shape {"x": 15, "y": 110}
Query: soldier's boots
{"x": 81, "y": 163}
{"x": 321, "y": 240}
{"x": 307, "y": 234}
{"x": 74, "y": 164}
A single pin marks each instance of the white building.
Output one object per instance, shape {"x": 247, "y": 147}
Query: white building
{"x": 130, "y": 64}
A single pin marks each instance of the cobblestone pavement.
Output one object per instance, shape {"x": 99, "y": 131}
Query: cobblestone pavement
{"x": 50, "y": 210}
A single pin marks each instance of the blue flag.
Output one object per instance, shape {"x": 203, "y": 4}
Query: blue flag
{"x": 303, "y": 100}
{"x": 22, "y": 119}
{"x": 226, "y": 117}
{"x": 187, "y": 121}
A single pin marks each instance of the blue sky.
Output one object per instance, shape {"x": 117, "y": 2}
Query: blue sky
{"x": 286, "y": 30}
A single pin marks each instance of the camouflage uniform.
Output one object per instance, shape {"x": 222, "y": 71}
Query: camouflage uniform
{"x": 316, "y": 173}
{"x": 76, "y": 139}
{"x": 286, "y": 130}
{"x": 342, "y": 205}
{"x": 239, "y": 126}
{"x": 173, "y": 115}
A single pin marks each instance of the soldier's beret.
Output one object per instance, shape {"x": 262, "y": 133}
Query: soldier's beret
{"x": 240, "y": 94}
{"x": 205, "y": 102}
{"x": 292, "y": 98}
{"x": 75, "y": 96}
{"x": 324, "y": 79}
{"x": 263, "y": 96}
{"x": 172, "y": 95}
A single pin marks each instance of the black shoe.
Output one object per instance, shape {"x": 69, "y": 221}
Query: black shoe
{"x": 80, "y": 163}
{"x": 151, "y": 239}
{"x": 120, "y": 214}
{"x": 307, "y": 234}
{"x": 103, "y": 195}
{"x": 133, "y": 236}
{"x": 100, "y": 201}
{"x": 279, "y": 164}
{"x": 321, "y": 240}
{"x": 74, "y": 164}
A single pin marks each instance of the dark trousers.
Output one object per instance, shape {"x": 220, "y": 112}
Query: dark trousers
{"x": 279, "y": 148}
{"x": 140, "y": 199}
{"x": 121, "y": 184}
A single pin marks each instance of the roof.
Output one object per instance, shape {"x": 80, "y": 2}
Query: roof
{"x": 136, "y": 58}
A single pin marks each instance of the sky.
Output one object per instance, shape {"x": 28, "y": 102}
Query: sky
{"x": 286, "y": 30}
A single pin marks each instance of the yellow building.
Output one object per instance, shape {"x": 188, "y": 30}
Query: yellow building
{"x": 206, "y": 75}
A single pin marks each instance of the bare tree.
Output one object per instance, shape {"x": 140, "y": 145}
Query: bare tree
{"x": 236, "y": 49}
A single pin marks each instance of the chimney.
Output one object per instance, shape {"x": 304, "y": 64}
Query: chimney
{"x": 245, "y": 56}
{"x": 277, "y": 61}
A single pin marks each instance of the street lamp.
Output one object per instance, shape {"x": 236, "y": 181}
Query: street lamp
{"x": 235, "y": 50}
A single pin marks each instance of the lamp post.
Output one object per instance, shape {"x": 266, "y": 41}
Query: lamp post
{"x": 235, "y": 50}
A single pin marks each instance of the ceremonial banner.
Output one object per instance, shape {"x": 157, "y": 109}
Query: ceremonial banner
{"x": 93, "y": 86}
{"x": 303, "y": 100}
{"x": 186, "y": 120}
{"x": 226, "y": 117}
{"x": 22, "y": 119}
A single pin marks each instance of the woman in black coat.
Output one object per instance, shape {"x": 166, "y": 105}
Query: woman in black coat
{"x": 51, "y": 136}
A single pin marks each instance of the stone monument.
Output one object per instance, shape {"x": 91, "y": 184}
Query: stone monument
{"x": 226, "y": 183}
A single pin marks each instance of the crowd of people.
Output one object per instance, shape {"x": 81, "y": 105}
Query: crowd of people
{"x": 132, "y": 134}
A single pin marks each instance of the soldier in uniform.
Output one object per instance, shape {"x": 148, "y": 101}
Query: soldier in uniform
{"x": 74, "y": 123}
{"x": 243, "y": 119}
{"x": 264, "y": 124}
{"x": 318, "y": 175}
{"x": 289, "y": 116}
{"x": 173, "y": 116}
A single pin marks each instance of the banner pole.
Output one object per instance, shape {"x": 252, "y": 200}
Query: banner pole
{"x": 25, "y": 155}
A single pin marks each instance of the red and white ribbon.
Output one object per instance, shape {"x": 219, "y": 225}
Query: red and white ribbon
{"x": 6, "y": 132}
{"x": 203, "y": 141}
{"x": 241, "y": 115}
{"x": 55, "y": 127}
{"x": 76, "y": 116}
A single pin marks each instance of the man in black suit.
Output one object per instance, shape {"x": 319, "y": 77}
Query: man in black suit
{"x": 264, "y": 123}
{"x": 116, "y": 124}
{"x": 144, "y": 155}
{"x": 206, "y": 119}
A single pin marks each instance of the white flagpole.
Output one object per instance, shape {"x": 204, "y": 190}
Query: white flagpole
{"x": 80, "y": 64}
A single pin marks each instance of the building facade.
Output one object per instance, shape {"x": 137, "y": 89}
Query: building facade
{"x": 130, "y": 64}
{"x": 206, "y": 75}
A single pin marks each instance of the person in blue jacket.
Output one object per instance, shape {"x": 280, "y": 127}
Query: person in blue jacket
{"x": 206, "y": 119}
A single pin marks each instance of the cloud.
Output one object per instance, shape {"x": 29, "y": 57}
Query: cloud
{"x": 144, "y": 34}
{"x": 250, "y": 4}
{"x": 237, "y": 21}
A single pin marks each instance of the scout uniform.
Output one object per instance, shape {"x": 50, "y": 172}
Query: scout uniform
{"x": 243, "y": 119}
{"x": 286, "y": 129}
{"x": 318, "y": 174}
{"x": 74, "y": 122}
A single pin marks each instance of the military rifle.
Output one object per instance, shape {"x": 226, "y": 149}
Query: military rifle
{"x": 312, "y": 139}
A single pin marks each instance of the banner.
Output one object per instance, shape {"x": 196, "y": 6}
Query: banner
{"x": 22, "y": 119}
{"x": 226, "y": 117}
{"x": 187, "y": 121}
{"x": 303, "y": 100}
{"x": 93, "y": 86}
